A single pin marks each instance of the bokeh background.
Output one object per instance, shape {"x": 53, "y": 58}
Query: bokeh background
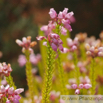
{"x": 19, "y": 18}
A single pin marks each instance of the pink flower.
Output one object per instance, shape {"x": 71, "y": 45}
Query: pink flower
{"x": 81, "y": 86}
{"x": 74, "y": 86}
{"x": 77, "y": 91}
{"x": 63, "y": 31}
{"x": 5, "y": 69}
{"x": 21, "y": 60}
{"x": 26, "y": 42}
{"x": 52, "y": 13}
{"x": 87, "y": 86}
{"x": 72, "y": 44}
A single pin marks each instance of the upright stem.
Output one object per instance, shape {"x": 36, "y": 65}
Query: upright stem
{"x": 48, "y": 75}
{"x": 61, "y": 74}
{"x": 9, "y": 80}
{"x": 29, "y": 75}
{"x": 77, "y": 72}
{"x": 93, "y": 77}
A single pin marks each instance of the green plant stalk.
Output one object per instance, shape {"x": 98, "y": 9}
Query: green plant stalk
{"x": 77, "y": 72}
{"x": 92, "y": 77}
{"x": 61, "y": 74}
{"x": 29, "y": 76}
{"x": 82, "y": 49}
{"x": 48, "y": 75}
{"x": 9, "y": 80}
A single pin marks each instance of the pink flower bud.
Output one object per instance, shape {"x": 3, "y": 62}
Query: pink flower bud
{"x": 19, "y": 42}
{"x": 52, "y": 13}
{"x": 74, "y": 86}
{"x": 81, "y": 86}
{"x": 87, "y": 86}
{"x": 40, "y": 38}
{"x": 2, "y": 89}
{"x": 18, "y": 91}
{"x": 63, "y": 31}
{"x": 77, "y": 91}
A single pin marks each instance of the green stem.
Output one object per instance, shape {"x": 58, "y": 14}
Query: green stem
{"x": 82, "y": 49}
{"x": 9, "y": 80}
{"x": 61, "y": 74}
{"x": 48, "y": 75}
{"x": 93, "y": 77}
{"x": 77, "y": 72}
{"x": 29, "y": 76}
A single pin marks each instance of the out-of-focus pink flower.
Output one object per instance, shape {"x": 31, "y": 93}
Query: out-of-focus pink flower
{"x": 94, "y": 51}
{"x": 87, "y": 86}
{"x": 81, "y": 86}
{"x": 63, "y": 31}
{"x": 4, "y": 82}
{"x": 77, "y": 91}
{"x": 72, "y": 44}
{"x": 84, "y": 80}
{"x": 34, "y": 59}
{"x": 21, "y": 60}
{"x": 74, "y": 86}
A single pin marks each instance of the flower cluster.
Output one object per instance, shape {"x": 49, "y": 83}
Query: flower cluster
{"x": 10, "y": 94}
{"x": 54, "y": 40}
{"x": 5, "y": 69}
{"x": 63, "y": 19}
{"x": 81, "y": 37}
{"x": 34, "y": 59}
{"x": 72, "y": 44}
{"x": 81, "y": 86}
{"x": 26, "y": 43}
{"x": 94, "y": 51}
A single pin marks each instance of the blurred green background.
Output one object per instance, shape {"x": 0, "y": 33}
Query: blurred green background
{"x": 20, "y": 18}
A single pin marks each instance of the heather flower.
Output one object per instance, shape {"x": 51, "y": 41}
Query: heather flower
{"x": 81, "y": 37}
{"x": 77, "y": 91}
{"x": 94, "y": 51}
{"x": 26, "y": 43}
{"x": 52, "y": 13}
{"x": 72, "y": 44}
{"x": 81, "y": 86}
{"x": 87, "y": 86}
{"x": 5, "y": 69}
{"x": 54, "y": 40}
{"x": 84, "y": 80}
{"x": 74, "y": 86}
{"x": 10, "y": 94}
{"x": 21, "y": 60}
{"x": 34, "y": 59}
